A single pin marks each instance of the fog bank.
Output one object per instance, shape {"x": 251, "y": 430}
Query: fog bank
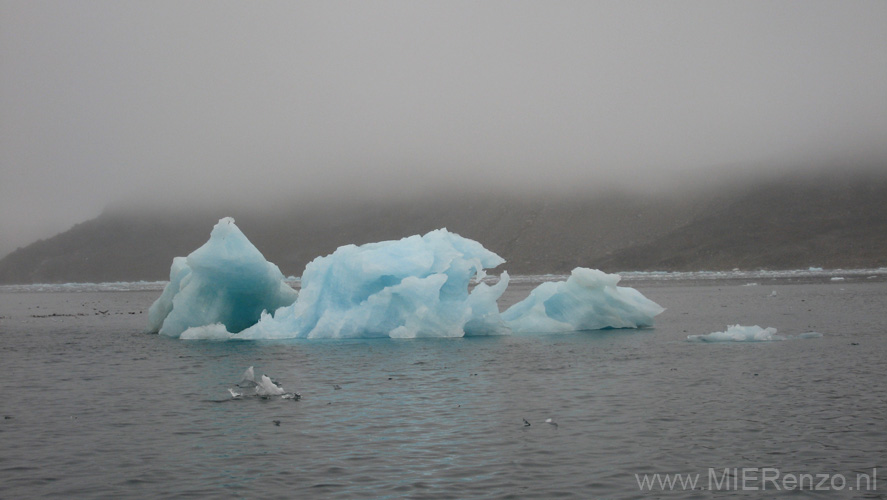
{"x": 178, "y": 104}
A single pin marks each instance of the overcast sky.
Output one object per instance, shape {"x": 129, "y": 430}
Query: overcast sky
{"x": 167, "y": 101}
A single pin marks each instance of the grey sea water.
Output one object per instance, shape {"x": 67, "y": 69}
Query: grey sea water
{"x": 92, "y": 407}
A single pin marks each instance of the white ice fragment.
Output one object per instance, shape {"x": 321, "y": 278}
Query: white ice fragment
{"x": 588, "y": 300}
{"x": 266, "y": 387}
{"x": 263, "y": 388}
{"x": 226, "y": 282}
{"x": 248, "y": 379}
{"x": 738, "y": 333}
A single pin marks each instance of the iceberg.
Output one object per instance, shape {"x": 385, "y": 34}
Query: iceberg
{"x": 588, "y": 300}
{"x": 419, "y": 286}
{"x": 414, "y": 287}
{"x": 222, "y": 287}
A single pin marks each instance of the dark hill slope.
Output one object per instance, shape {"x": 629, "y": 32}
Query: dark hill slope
{"x": 535, "y": 236}
{"x": 111, "y": 247}
{"x": 787, "y": 223}
{"x": 825, "y": 222}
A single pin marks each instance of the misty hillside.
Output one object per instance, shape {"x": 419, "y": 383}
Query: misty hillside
{"x": 788, "y": 223}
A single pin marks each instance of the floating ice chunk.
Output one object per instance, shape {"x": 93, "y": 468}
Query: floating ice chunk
{"x": 588, "y": 300}
{"x": 738, "y": 333}
{"x": 263, "y": 388}
{"x": 413, "y": 287}
{"x": 248, "y": 379}
{"x": 223, "y": 286}
{"x": 266, "y": 387}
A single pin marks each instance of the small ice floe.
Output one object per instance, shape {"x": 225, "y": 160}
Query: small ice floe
{"x": 263, "y": 388}
{"x": 248, "y": 379}
{"x": 773, "y": 293}
{"x": 267, "y": 387}
{"x": 837, "y": 278}
{"x": 739, "y": 333}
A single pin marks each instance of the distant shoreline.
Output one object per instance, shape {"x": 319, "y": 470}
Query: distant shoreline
{"x": 628, "y": 279}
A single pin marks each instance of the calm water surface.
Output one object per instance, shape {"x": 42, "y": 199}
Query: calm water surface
{"x": 94, "y": 408}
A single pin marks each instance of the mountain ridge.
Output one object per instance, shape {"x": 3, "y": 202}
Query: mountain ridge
{"x": 790, "y": 222}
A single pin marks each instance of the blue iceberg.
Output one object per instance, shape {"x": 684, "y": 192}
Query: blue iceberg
{"x": 588, "y": 300}
{"x": 226, "y": 284}
{"x": 419, "y": 286}
{"x": 413, "y": 287}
